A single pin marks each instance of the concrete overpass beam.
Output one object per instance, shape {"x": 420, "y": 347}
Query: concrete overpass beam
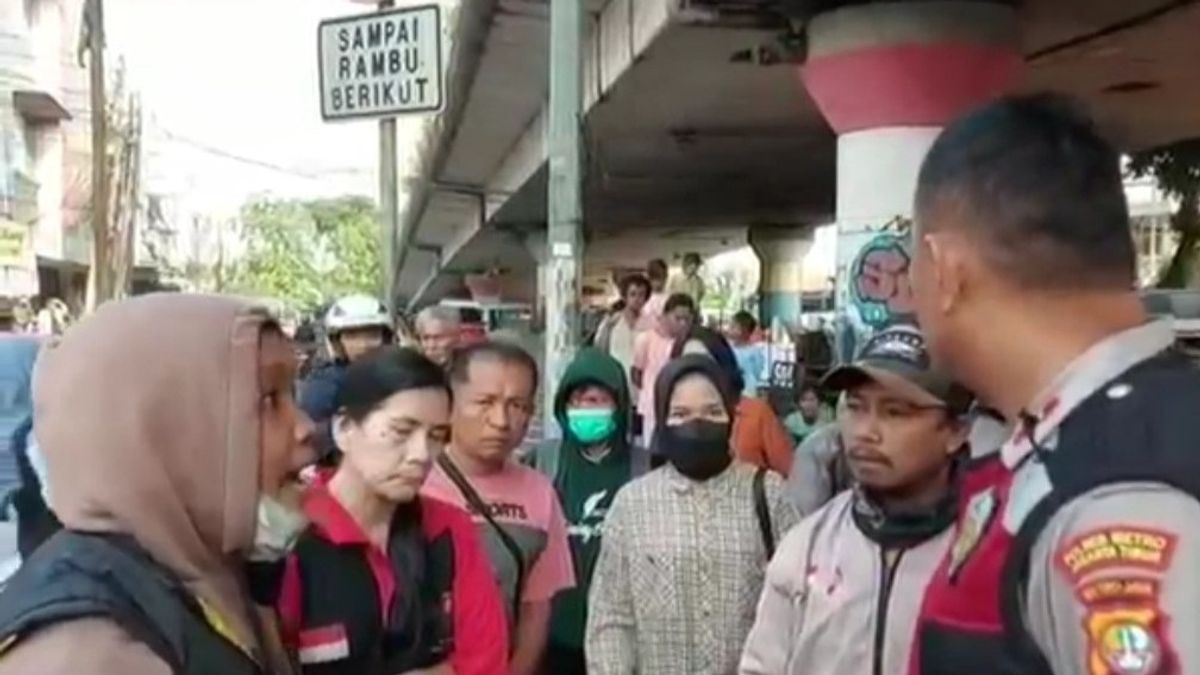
{"x": 613, "y": 41}
{"x": 781, "y": 251}
{"x": 887, "y": 77}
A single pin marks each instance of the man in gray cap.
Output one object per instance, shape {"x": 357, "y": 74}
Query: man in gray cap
{"x": 819, "y": 470}
{"x": 843, "y": 592}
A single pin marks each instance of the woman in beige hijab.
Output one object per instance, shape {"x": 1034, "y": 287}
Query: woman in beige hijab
{"x": 173, "y": 445}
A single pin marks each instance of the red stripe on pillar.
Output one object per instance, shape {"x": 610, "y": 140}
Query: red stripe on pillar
{"x": 908, "y": 85}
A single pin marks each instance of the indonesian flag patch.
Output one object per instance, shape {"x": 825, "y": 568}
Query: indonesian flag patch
{"x": 324, "y": 644}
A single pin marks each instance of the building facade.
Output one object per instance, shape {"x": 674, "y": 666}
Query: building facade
{"x": 1150, "y": 217}
{"x": 45, "y": 153}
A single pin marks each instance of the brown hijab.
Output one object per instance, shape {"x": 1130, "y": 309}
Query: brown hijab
{"x": 147, "y": 413}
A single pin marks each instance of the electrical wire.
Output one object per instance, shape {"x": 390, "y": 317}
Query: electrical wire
{"x": 233, "y": 156}
{"x": 226, "y": 154}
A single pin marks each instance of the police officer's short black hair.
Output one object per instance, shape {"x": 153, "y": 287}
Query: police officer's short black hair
{"x": 631, "y": 280}
{"x": 1033, "y": 182}
{"x": 677, "y": 300}
{"x": 384, "y": 372}
{"x": 746, "y": 321}
{"x": 496, "y": 350}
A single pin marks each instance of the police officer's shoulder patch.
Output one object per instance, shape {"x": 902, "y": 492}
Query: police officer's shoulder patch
{"x": 1125, "y": 642}
{"x": 1125, "y": 627}
{"x": 1124, "y": 589}
{"x": 1115, "y": 546}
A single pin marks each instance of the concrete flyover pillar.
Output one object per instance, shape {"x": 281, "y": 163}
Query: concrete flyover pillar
{"x": 887, "y": 77}
{"x": 780, "y": 251}
{"x": 538, "y": 250}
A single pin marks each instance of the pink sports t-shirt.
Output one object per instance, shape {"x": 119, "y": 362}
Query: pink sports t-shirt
{"x": 526, "y": 505}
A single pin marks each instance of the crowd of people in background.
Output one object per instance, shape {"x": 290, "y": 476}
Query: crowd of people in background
{"x": 37, "y": 316}
{"x": 1007, "y": 483}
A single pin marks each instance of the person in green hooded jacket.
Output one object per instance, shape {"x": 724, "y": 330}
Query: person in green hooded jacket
{"x": 594, "y": 459}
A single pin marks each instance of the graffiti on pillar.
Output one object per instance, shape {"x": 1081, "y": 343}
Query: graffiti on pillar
{"x": 879, "y": 284}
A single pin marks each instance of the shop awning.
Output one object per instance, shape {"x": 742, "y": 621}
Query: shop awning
{"x": 39, "y": 107}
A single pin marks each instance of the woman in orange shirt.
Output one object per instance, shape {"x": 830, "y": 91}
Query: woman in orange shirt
{"x": 758, "y": 436}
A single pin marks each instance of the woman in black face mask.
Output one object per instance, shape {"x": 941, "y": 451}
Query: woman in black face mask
{"x": 686, "y": 545}
{"x": 695, "y": 402}
{"x": 757, "y": 436}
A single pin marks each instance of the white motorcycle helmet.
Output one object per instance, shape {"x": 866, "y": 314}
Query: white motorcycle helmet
{"x": 357, "y": 311}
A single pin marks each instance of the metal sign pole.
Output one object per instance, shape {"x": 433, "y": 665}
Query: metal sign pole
{"x": 381, "y": 65}
{"x": 565, "y": 208}
{"x": 388, "y": 201}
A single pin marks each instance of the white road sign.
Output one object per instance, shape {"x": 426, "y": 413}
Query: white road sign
{"x": 382, "y": 64}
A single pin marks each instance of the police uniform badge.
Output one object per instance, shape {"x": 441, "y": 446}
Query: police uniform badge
{"x": 978, "y": 516}
{"x": 1116, "y": 572}
{"x": 1125, "y": 641}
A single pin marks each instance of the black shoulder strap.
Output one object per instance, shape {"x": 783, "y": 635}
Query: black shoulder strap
{"x": 476, "y": 502}
{"x": 763, "y": 511}
{"x": 1014, "y": 581}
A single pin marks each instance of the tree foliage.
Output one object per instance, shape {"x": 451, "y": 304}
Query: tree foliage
{"x": 306, "y": 253}
{"x": 350, "y": 230}
{"x": 1176, "y": 169}
{"x": 726, "y": 290}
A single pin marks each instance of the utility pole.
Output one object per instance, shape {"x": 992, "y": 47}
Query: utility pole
{"x": 131, "y": 187}
{"x": 565, "y": 209}
{"x": 94, "y": 26}
{"x": 388, "y": 202}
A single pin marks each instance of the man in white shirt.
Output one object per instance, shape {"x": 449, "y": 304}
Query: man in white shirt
{"x": 616, "y": 335}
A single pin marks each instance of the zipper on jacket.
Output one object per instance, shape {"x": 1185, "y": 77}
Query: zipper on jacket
{"x": 887, "y": 578}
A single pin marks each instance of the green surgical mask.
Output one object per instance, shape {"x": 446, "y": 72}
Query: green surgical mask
{"x": 591, "y": 425}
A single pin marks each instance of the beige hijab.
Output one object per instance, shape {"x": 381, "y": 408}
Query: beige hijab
{"x": 147, "y": 413}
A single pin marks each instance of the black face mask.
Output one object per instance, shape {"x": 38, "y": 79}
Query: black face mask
{"x": 698, "y": 449}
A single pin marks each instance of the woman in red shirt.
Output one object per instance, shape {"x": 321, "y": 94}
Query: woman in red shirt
{"x": 385, "y": 581}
